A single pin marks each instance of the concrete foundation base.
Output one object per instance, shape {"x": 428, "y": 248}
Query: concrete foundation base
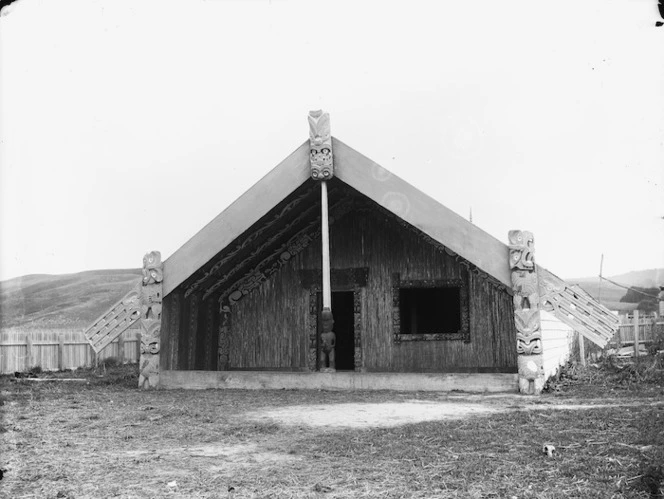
{"x": 270, "y": 380}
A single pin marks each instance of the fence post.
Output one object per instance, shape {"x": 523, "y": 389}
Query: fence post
{"x": 138, "y": 347}
{"x": 29, "y": 361}
{"x": 619, "y": 335}
{"x": 636, "y": 335}
{"x": 582, "y": 350}
{"x": 61, "y": 353}
{"x": 121, "y": 348}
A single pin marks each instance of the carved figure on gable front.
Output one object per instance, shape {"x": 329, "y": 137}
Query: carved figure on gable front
{"x": 149, "y": 362}
{"x": 152, "y": 268}
{"x": 151, "y": 302}
{"x": 521, "y": 250}
{"x": 328, "y": 342}
{"x": 150, "y": 307}
{"x": 527, "y": 306}
{"x": 320, "y": 146}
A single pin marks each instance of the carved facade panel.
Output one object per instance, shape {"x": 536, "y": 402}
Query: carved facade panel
{"x": 224, "y": 342}
{"x": 194, "y": 303}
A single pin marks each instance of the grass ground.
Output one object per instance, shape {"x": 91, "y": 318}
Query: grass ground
{"x": 104, "y": 438}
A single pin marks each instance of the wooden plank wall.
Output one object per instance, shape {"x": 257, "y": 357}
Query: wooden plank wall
{"x": 381, "y": 244}
{"x": 270, "y": 327}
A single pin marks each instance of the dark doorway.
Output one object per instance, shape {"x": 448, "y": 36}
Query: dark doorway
{"x": 344, "y": 328}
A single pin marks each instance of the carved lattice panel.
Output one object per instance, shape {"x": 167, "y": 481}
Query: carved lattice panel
{"x": 577, "y": 309}
{"x": 116, "y": 321}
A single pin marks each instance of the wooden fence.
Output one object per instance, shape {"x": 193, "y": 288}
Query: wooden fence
{"x": 636, "y": 329}
{"x": 61, "y": 349}
{"x": 647, "y": 329}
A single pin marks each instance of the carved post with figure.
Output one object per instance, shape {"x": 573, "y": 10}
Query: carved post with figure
{"x": 320, "y": 155}
{"x": 526, "y": 311}
{"x": 150, "y": 301}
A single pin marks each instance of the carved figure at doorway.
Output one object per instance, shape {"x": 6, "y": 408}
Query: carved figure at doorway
{"x": 328, "y": 342}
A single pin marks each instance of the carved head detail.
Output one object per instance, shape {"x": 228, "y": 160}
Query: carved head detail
{"x": 327, "y": 320}
{"x": 522, "y": 251}
{"x": 150, "y": 348}
{"x": 152, "y": 268}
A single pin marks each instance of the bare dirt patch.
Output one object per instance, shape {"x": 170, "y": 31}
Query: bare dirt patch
{"x": 377, "y": 415}
{"x": 390, "y": 414}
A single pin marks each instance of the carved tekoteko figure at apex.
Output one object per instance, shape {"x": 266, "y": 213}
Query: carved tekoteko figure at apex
{"x": 320, "y": 146}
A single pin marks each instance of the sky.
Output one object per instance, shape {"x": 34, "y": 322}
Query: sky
{"x": 126, "y": 126}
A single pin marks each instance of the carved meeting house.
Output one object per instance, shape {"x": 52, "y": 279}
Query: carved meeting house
{"x": 409, "y": 287}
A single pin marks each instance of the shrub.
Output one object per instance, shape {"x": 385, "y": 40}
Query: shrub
{"x": 110, "y": 362}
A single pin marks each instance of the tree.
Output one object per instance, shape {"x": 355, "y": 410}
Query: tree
{"x": 645, "y": 297}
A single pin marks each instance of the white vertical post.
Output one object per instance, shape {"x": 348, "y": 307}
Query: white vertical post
{"x": 325, "y": 236}
{"x": 636, "y": 335}
{"x": 121, "y": 355}
{"x": 61, "y": 353}
{"x": 29, "y": 359}
{"x": 582, "y": 350}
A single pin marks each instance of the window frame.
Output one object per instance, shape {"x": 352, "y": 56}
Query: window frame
{"x": 463, "y": 334}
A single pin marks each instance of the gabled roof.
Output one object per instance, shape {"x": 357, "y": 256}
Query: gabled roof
{"x": 368, "y": 178}
{"x": 279, "y": 216}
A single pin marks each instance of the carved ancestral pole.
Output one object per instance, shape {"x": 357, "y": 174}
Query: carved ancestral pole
{"x": 526, "y": 312}
{"x": 320, "y": 154}
{"x": 150, "y": 299}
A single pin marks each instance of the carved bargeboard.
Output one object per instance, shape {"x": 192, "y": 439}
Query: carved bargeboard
{"x": 320, "y": 146}
{"x": 526, "y": 311}
{"x": 251, "y": 244}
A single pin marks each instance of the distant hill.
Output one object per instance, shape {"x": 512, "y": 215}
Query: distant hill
{"x": 62, "y": 301}
{"x": 611, "y": 294}
{"x": 76, "y": 300}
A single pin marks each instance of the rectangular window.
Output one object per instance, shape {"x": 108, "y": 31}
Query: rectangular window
{"x": 430, "y": 310}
